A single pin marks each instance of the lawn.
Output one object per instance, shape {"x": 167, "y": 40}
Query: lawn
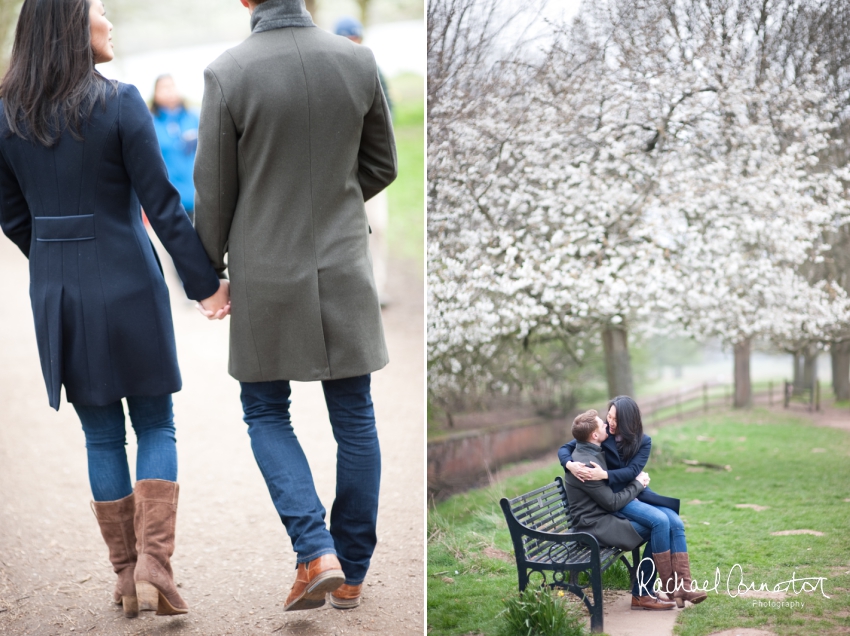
{"x": 799, "y": 473}
{"x": 406, "y": 231}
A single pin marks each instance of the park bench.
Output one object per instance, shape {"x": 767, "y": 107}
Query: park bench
{"x": 539, "y": 522}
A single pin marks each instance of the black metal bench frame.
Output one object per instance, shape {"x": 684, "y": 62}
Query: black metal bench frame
{"x": 539, "y": 523}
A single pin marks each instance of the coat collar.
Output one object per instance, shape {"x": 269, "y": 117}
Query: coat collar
{"x": 278, "y": 14}
{"x": 589, "y": 449}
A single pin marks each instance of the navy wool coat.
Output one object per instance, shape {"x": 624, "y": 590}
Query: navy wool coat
{"x": 99, "y": 300}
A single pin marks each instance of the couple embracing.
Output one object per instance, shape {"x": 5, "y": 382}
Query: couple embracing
{"x": 610, "y": 498}
{"x": 294, "y": 135}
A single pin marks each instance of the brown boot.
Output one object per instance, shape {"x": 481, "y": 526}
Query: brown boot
{"x": 115, "y": 519}
{"x": 651, "y": 603}
{"x": 156, "y": 516}
{"x": 684, "y": 591}
{"x": 346, "y": 596}
{"x": 664, "y": 567}
{"x": 312, "y": 581}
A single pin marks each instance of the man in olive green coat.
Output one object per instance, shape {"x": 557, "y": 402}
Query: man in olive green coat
{"x": 295, "y": 135}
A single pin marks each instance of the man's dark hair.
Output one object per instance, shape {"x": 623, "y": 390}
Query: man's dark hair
{"x": 629, "y": 426}
{"x": 51, "y": 83}
{"x": 584, "y": 425}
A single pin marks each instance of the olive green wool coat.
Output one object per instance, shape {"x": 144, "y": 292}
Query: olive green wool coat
{"x": 295, "y": 135}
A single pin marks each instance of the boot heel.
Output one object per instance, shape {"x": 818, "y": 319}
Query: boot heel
{"x": 680, "y": 602}
{"x": 131, "y": 606}
{"x": 148, "y": 596}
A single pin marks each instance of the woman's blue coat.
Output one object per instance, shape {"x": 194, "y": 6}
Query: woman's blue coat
{"x": 99, "y": 300}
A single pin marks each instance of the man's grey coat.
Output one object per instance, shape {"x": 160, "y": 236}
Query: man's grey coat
{"x": 295, "y": 135}
{"x": 593, "y": 502}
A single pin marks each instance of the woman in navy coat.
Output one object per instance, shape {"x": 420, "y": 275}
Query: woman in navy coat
{"x": 78, "y": 154}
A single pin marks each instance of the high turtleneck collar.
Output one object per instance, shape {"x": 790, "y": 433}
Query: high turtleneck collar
{"x": 277, "y": 14}
{"x": 587, "y": 447}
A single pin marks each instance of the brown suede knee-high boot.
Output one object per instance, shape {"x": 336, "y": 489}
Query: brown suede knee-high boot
{"x": 156, "y": 517}
{"x": 683, "y": 592}
{"x": 115, "y": 519}
{"x": 664, "y": 566}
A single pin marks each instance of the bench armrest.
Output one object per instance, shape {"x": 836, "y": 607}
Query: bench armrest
{"x": 562, "y": 537}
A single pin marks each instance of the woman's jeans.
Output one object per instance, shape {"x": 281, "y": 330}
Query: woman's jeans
{"x": 284, "y": 466}
{"x": 105, "y": 430}
{"x": 662, "y": 529}
{"x": 668, "y": 531}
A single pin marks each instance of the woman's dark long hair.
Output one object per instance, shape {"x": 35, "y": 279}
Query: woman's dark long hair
{"x": 51, "y": 83}
{"x": 629, "y": 426}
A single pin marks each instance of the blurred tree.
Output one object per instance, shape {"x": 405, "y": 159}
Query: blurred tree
{"x": 8, "y": 18}
{"x": 364, "y": 10}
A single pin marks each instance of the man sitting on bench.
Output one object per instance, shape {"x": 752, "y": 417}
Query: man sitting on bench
{"x": 594, "y": 506}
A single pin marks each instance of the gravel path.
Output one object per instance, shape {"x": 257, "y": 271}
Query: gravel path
{"x": 233, "y": 559}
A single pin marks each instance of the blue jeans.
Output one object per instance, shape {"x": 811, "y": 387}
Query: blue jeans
{"x": 106, "y": 437}
{"x": 668, "y": 531}
{"x": 352, "y": 536}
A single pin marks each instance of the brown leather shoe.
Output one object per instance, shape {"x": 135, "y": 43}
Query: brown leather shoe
{"x": 312, "y": 581}
{"x": 115, "y": 519}
{"x": 347, "y": 596}
{"x": 651, "y": 603}
{"x": 156, "y": 517}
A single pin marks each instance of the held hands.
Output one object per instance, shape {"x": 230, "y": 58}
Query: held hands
{"x": 643, "y": 478}
{"x": 585, "y": 473}
{"x": 217, "y": 306}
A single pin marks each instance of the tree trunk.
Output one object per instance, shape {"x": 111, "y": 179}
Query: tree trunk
{"x": 311, "y": 7}
{"x": 743, "y": 387}
{"x": 363, "y": 5}
{"x": 618, "y": 363}
{"x": 841, "y": 370}
{"x": 798, "y": 371}
{"x": 810, "y": 367}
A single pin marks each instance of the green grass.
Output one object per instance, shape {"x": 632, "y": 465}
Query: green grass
{"x": 406, "y": 231}
{"x": 773, "y": 464}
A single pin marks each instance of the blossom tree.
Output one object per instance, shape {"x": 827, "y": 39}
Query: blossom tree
{"x": 657, "y": 170}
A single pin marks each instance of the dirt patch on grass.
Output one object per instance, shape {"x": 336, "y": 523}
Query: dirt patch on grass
{"x": 755, "y": 507}
{"x": 764, "y": 594}
{"x": 785, "y": 533}
{"x": 743, "y": 631}
{"x": 495, "y": 553}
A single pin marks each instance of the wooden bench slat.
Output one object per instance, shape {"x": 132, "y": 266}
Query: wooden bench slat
{"x": 533, "y": 493}
{"x": 553, "y": 502}
{"x": 534, "y": 520}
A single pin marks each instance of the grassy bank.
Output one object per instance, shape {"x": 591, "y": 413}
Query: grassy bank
{"x": 798, "y": 473}
{"x": 406, "y": 231}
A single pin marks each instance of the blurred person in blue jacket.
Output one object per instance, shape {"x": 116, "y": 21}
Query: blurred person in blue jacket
{"x": 177, "y": 132}
{"x": 377, "y": 208}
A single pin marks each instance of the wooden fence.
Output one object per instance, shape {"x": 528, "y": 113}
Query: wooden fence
{"x": 709, "y": 396}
